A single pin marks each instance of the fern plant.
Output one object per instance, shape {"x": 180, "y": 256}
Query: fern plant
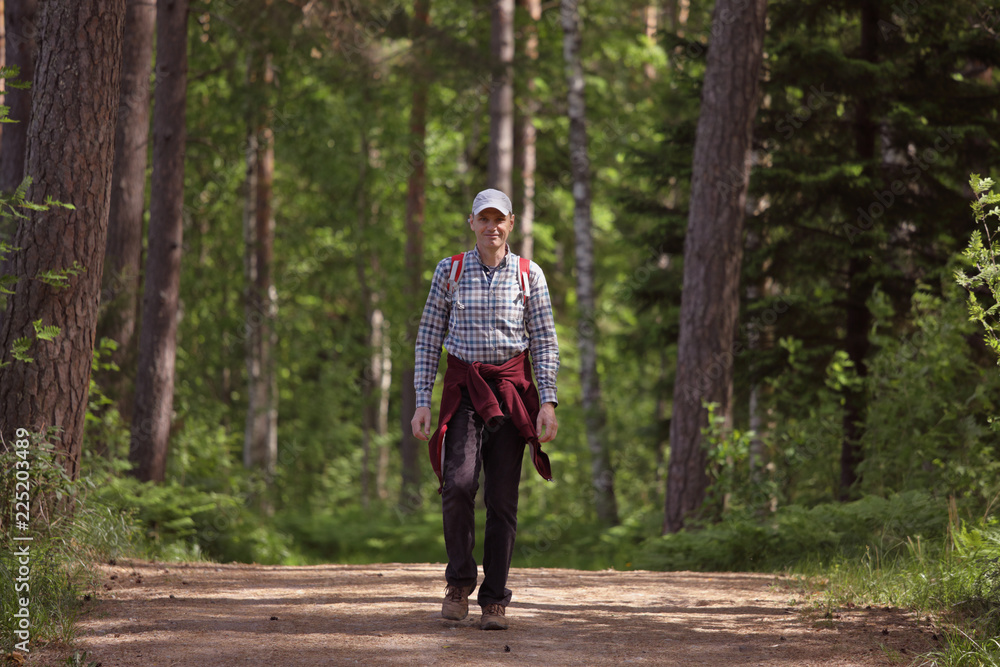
{"x": 983, "y": 283}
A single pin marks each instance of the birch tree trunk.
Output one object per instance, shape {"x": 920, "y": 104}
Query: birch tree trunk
{"x": 501, "y": 158}
{"x": 593, "y": 408}
{"x": 154, "y": 386}
{"x": 120, "y": 293}
{"x": 70, "y": 152}
{"x": 713, "y": 249}
{"x": 526, "y": 248}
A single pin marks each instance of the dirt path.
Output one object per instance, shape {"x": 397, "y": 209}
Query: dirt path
{"x": 389, "y": 614}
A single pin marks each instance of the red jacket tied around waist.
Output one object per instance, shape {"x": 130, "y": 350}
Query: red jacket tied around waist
{"x": 513, "y": 380}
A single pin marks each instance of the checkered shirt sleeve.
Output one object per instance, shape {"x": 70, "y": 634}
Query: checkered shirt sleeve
{"x": 487, "y": 322}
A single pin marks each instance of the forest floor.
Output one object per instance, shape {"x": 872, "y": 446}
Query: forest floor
{"x": 146, "y": 613}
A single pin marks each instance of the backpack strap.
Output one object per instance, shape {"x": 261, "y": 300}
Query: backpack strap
{"x": 457, "y": 262}
{"x": 524, "y": 276}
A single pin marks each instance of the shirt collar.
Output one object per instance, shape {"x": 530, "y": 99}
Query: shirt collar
{"x": 501, "y": 265}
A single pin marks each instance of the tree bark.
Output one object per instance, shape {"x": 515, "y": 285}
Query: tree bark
{"x": 260, "y": 446}
{"x": 22, "y": 30}
{"x": 713, "y": 249}
{"x": 154, "y": 393}
{"x": 70, "y": 151}
{"x": 526, "y": 248}
{"x": 859, "y": 286}
{"x": 593, "y": 408}
{"x": 20, "y": 34}
{"x": 120, "y": 293}
{"x": 3, "y": 56}
{"x": 409, "y": 496}
{"x": 501, "y": 157}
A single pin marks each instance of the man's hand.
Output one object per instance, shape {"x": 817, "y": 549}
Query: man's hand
{"x": 421, "y": 423}
{"x": 547, "y": 424}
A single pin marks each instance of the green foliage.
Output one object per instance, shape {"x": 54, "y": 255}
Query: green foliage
{"x": 981, "y": 255}
{"x": 931, "y": 392}
{"x": 795, "y": 534}
{"x": 953, "y": 576}
{"x": 69, "y": 533}
{"x": 732, "y": 483}
{"x": 186, "y": 523}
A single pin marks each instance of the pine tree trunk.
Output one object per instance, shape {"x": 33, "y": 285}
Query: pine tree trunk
{"x": 154, "y": 391}
{"x": 20, "y": 33}
{"x": 373, "y": 316}
{"x": 859, "y": 286}
{"x": 120, "y": 293}
{"x": 70, "y": 155}
{"x": 409, "y": 496}
{"x": 260, "y": 446}
{"x": 21, "y": 28}
{"x": 3, "y": 58}
{"x": 593, "y": 408}
{"x": 501, "y": 158}
{"x": 713, "y": 249}
{"x": 526, "y": 248}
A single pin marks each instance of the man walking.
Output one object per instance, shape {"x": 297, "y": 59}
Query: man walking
{"x": 489, "y": 308}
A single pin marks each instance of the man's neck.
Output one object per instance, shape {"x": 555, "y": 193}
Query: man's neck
{"x": 491, "y": 257}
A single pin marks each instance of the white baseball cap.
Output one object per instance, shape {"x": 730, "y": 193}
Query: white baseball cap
{"x": 492, "y": 199}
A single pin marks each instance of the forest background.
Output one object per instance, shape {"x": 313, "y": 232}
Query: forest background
{"x": 332, "y": 152}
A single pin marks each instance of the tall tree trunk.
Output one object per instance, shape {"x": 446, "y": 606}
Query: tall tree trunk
{"x": 70, "y": 152}
{"x": 154, "y": 386}
{"x": 20, "y": 17}
{"x": 593, "y": 408}
{"x": 120, "y": 291}
{"x": 260, "y": 446}
{"x": 859, "y": 285}
{"x": 713, "y": 249}
{"x": 373, "y": 316}
{"x": 409, "y": 496}
{"x": 20, "y": 33}
{"x": 526, "y": 248}
{"x": 652, "y": 19}
{"x": 679, "y": 11}
{"x": 382, "y": 368}
{"x": 501, "y": 159}
{"x": 3, "y": 55}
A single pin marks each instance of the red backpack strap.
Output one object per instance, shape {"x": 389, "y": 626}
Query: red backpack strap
{"x": 455, "y": 274}
{"x": 524, "y": 276}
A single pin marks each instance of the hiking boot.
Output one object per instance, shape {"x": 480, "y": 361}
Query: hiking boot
{"x": 456, "y": 602}
{"x": 494, "y": 617}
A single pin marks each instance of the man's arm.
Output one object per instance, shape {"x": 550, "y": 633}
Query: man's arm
{"x": 544, "y": 347}
{"x": 430, "y": 337}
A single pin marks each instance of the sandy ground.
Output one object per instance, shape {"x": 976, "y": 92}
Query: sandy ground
{"x": 389, "y": 614}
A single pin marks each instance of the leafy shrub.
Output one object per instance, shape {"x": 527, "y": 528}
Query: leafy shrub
{"x": 795, "y": 533}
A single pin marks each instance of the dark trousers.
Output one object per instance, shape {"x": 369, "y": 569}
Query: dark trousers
{"x": 498, "y": 449}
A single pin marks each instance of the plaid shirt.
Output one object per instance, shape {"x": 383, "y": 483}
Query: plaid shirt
{"x": 487, "y": 322}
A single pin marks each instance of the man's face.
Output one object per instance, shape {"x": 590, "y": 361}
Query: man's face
{"x": 492, "y": 228}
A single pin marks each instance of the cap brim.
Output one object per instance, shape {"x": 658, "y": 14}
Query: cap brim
{"x": 491, "y": 204}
